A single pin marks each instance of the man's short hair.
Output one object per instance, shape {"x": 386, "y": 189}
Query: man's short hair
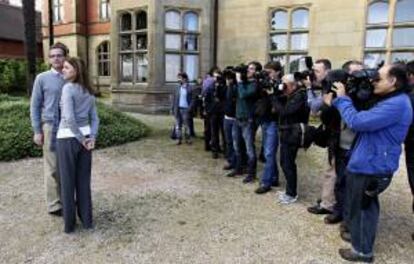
{"x": 274, "y": 65}
{"x": 348, "y": 64}
{"x": 183, "y": 75}
{"x": 399, "y": 72}
{"x": 326, "y": 63}
{"x": 257, "y": 64}
{"x": 61, "y": 46}
{"x": 213, "y": 70}
{"x": 410, "y": 67}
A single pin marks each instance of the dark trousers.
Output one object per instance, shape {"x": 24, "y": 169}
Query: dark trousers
{"x": 230, "y": 154}
{"x": 243, "y": 131}
{"x": 409, "y": 161}
{"x": 288, "y": 155}
{"x": 341, "y": 161}
{"x": 191, "y": 125}
{"x": 363, "y": 191}
{"x": 216, "y": 125}
{"x": 74, "y": 163}
{"x": 207, "y": 133}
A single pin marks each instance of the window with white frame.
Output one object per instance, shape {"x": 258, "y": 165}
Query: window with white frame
{"x": 289, "y": 32}
{"x": 133, "y": 49}
{"x": 57, "y": 11}
{"x": 104, "y": 59}
{"x": 389, "y": 35}
{"x": 181, "y": 44}
{"x": 104, "y": 10}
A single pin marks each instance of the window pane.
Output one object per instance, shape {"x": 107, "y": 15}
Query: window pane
{"x": 378, "y": 13}
{"x": 404, "y": 11}
{"x": 280, "y": 58}
{"x": 126, "y": 22}
{"x": 126, "y": 42}
{"x": 126, "y": 68}
{"x": 279, "y": 20}
{"x": 56, "y": 14}
{"x": 173, "y": 41}
{"x": 403, "y": 37}
{"x": 300, "y": 18}
{"x": 371, "y": 60}
{"x": 190, "y": 42}
{"x": 172, "y": 67}
{"x": 278, "y": 42}
{"x": 191, "y": 21}
{"x": 141, "y": 42}
{"x": 294, "y": 63}
{"x": 376, "y": 38}
{"x": 141, "y": 20}
{"x": 299, "y": 41}
{"x": 402, "y": 56}
{"x": 173, "y": 20}
{"x": 104, "y": 10}
{"x": 191, "y": 66}
{"x": 142, "y": 67}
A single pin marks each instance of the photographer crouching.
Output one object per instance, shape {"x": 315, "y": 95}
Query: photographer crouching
{"x": 381, "y": 130}
{"x": 293, "y": 112}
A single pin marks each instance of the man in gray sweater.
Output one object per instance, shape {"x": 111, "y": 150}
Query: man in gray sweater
{"x": 44, "y": 114}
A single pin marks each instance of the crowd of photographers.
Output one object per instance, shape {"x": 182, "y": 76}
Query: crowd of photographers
{"x": 366, "y": 116}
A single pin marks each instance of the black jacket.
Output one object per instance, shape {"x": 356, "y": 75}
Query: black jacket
{"x": 410, "y": 135}
{"x": 214, "y": 99}
{"x": 230, "y": 101}
{"x": 264, "y": 111}
{"x": 292, "y": 109}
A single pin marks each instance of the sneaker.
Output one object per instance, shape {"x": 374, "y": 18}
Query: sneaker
{"x": 58, "y": 213}
{"x": 287, "y": 199}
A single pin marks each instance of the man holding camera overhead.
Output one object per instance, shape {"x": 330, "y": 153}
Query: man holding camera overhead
{"x": 381, "y": 130}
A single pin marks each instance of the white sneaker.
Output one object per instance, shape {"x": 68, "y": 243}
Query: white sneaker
{"x": 287, "y": 199}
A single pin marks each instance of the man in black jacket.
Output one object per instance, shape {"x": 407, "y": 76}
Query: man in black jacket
{"x": 293, "y": 110}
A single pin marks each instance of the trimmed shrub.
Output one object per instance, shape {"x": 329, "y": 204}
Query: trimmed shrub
{"x": 16, "y": 136}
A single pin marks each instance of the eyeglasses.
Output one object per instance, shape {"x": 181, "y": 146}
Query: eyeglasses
{"x": 56, "y": 56}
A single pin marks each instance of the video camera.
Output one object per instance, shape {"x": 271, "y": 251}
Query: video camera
{"x": 305, "y": 70}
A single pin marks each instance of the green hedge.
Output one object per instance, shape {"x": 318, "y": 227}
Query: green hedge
{"x": 16, "y": 133}
{"x": 13, "y": 75}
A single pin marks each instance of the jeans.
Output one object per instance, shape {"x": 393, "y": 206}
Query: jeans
{"x": 288, "y": 155}
{"x": 182, "y": 119}
{"x": 341, "y": 161}
{"x": 244, "y": 130}
{"x": 409, "y": 160}
{"x": 228, "y": 130}
{"x": 270, "y": 144}
{"x": 364, "y": 209}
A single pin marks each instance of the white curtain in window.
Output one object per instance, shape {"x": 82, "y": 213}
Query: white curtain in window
{"x": 376, "y": 38}
{"x": 142, "y": 67}
{"x": 173, "y": 41}
{"x": 172, "y": 67}
{"x": 191, "y": 21}
{"x": 299, "y": 41}
{"x": 191, "y": 66}
{"x": 126, "y": 68}
{"x": 173, "y": 20}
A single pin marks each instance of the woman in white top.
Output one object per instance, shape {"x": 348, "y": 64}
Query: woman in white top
{"x": 76, "y": 136}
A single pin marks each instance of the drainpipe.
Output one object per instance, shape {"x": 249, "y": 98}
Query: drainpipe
{"x": 215, "y": 32}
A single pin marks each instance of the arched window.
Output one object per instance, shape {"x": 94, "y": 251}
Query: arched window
{"x": 181, "y": 44}
{"x": 104, "y": 59}
{"x": 289, "y": 30}
{"x": 134, "y": 47}
{"x": 401, "y": 47}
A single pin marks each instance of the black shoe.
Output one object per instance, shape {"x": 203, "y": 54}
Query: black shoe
{"x": 58, "y": 212}
{"x": 275, "y": 184}
{"x": 412, "y": 236}
{"x": 263, "y": 189}
{"x": 227, "y": 167}
{"x": 317, "y": 209}
{"x": 343, "y": 227}
{"x": 346, "y": 236}
{"x": 332, "y": 219}
{"x": 348, "y": 254}
{"x": 249, "y": 179}
{"x": 234, "y": 173}
{"x": 215, "y": 155}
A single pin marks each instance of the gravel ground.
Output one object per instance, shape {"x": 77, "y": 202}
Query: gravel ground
{"x": 155, "y": 202}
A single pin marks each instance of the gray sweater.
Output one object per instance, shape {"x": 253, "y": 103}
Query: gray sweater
{"x": 78, "y": 109}
{"x": 45, "y": 99}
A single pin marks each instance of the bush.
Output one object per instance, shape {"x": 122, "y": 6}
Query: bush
{"x": 13, "y": 75}
{"x": 16, "y": 133}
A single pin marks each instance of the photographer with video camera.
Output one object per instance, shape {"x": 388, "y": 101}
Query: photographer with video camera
{"x": 293, "y": 112}
{"x": 375, "y": 154}
{"x": 268, "y": 119}
{"x": 409, "y": 140}
{"x": 244, "y": 127}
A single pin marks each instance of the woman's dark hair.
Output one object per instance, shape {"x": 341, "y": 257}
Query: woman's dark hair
{"x": 399, "y": 72}
{"x": 82, "y": 76}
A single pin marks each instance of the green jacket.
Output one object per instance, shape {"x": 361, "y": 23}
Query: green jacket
{"x": 246, "y": 97}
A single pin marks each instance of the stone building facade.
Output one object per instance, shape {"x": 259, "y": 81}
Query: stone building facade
{"x": 150, "y": 41}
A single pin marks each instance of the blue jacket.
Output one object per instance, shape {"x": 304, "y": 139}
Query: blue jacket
{"x": 380, "y": 130}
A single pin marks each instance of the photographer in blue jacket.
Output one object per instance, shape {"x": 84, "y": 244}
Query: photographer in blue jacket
{"x": 381, "y": 130}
